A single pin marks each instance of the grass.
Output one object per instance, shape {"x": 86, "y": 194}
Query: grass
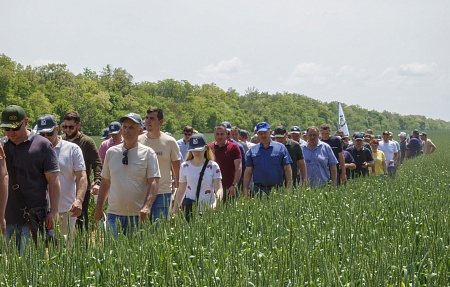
{"x": 372, "y": 232}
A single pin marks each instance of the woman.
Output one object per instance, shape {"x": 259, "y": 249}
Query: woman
{"x": 211, "y": 185}
{"x": 380, "y": 168}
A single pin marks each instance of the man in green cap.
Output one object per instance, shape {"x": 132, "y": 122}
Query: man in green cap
{"x": 32, "y": 166}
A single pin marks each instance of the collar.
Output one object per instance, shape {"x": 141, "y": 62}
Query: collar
{"x": 30, "y": 137}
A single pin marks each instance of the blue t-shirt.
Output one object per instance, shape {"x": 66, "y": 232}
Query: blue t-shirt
{"x": 318, "y": 162}
{"x": 414, "y": 147}
{"x": 268, "y": 163}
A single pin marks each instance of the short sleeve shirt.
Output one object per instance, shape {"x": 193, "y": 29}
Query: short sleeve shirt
{"x": 318, "y": 162}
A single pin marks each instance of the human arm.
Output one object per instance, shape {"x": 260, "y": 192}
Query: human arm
{"x": 3, "y": 190}
{"x": 96, "y": 164}
{"x": 302, "y": 168}
{"x": 81, "y": 184}
{"x": 101, "y": 199}
{"x": 333, "y": 174}
{"x": 176, "y": 172}
{"x": 433, "y": 146}
{"x": 54, "y": 190}
{"x": 152, "y": 192}
{"x": 247, "y": 177}
{"x": 288, "y": 176}
{"x": 343, "y": 175}
{"x": 218, "y": 189}
{"x": 178, "y": 200}
{"x": 237, "y": 176}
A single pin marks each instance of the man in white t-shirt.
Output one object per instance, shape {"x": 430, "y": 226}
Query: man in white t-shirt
{"x": 168, "y": 153}
{"x": 390, "y": 152}
{"x": 130, "y": 179}
{"x": 72, "y": 174}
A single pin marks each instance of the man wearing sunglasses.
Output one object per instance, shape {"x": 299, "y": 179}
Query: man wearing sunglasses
{"x": 32, "y": 166}
{"x": 72, "y": 132}
{"x": 72, "y": 176}
{"x": 183, "y": 143}
{"x": 130, "y": 179}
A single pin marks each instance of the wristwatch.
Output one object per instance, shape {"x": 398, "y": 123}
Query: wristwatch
{"x": 97, "y": 182}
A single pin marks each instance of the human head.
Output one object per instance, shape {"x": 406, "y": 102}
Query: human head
{"x": 131, "y": 127}
{"x": 415, "y": 133}
{"x": 14, "y": 123}
{"x": 423, "y": 135}
{"x": 187, "y": 131}
{"x": 358, "y": 139}
{"x": 197, "y": 146}
{"x": 374, "y": 144}
{"x": 154, "y": 119}
{"x": 243, "y": 135}
{"x": 105, "y": 134}
{"x": 386, "y": 135}
{"x": 263, "y": 131}
{"x": 235, "y": 133}
{"x": 295, "y": 133}
{"x": 402, "y": 135}
{"x": 115, "y": 131}
{"x": 220, "y": 135}
{"x": 47, "y": 126}
{"x": 312, "y": 133}
{"x": 340, "y": 133}
{"x": 325, "y": 131}
{"x": 280, "y": 134}
{"x": 369, "y": 132}
{"x": 71, "y": 124}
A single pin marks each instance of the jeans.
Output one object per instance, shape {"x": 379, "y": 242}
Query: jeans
{"x": 260, "y": 190}
{"x": 391, "y": 171}
{"x": 127, "y": 223}
{"x": 160, "y": 207}
{"x": 22, "y": 232}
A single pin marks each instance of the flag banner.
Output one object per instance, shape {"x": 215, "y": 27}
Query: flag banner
{"x": 341, "y": 121}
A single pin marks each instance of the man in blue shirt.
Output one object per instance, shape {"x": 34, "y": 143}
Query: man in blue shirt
{"x": 267, "y": 161}
{"x": 320, "y": 160}
{"x": 414, "y": 147}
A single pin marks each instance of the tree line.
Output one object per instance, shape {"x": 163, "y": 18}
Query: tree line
{"x": 105, "y": 96}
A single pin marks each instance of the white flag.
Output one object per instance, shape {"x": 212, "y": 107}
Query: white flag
{"x": 341, "y": 121}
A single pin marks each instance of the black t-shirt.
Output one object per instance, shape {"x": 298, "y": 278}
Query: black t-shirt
{"x": 335, "y": 143}
{"x": 360, "y": 156}
{"x": 30, "y": 160}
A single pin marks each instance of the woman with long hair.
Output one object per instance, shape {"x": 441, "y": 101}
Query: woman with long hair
{"x": 199, "y": 154}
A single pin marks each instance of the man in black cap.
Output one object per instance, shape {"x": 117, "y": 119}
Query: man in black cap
{"x": 115, "y": 138}
{"x": 33, "y": 169}
{"x": 130, "y": 179}
{"x": 414, "y": 146}
{"x": 362, "y": 156}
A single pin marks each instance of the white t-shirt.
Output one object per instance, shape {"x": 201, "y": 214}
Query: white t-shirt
{"x": 70, "y": 159}
{"x": 389, "y": 150}
{"x": 190, "y": 173}
{"x": 129, "y": 182}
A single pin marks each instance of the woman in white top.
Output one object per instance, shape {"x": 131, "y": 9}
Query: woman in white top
{"x": 211, "y": 185}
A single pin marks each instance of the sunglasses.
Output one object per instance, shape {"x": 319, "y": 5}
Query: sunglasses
{"x": 125, "y": 157}
{"x": 13, "y": 129}
{"x": 68, "y": 127}
{"x": 188, "y": 135}
{"x": 50, "y": 134}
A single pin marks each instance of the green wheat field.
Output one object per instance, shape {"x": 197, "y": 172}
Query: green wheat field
{"x": 371, "y": 232}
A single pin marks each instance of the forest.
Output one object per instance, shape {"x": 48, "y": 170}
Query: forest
{"x": 105, "y": 96}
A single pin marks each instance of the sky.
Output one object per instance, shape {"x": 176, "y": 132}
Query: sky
{"x": 381, "y": 55}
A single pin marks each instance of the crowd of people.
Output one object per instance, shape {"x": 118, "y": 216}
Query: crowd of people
{"x": 144, "y": 174}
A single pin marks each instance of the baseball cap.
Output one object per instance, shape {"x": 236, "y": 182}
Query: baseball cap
{"x": 12, "y": 116}
{"x": 197, "y": 142}
{"x": 402, "y": 134}
{"x": 279, "y": 131}
{"x": 105, "y": 133}
{"x": 423, "y": 134}
{"x": 358, "y": 136}
{"x": 262, "y": 127}
{"x": 243, "y": 133}
{"x": 132, "y": 116}
{"x": 114, "y": 128}
{"x": 295, "y": 130}
{"x": 415, "y": 131}
{"x": 227, "y": 125}
{"x": 46, "y": 124}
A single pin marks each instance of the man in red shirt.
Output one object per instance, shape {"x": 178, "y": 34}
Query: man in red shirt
{"x": 229, "y": 158}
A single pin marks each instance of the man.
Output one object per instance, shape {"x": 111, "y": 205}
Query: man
{"x": 229, "y": 158}
{"x": 402, "y": 137}
{"x": 105, "y": 134}
{"x": 336, "y": 145}
{"x": 428, "y": 145}
{"x": 296, "y": 135}
{"x": 362, "y": 156}
{"x": 72, "y": 132}
{"x": 168, "y": 153}
{"x": 114, "y": 132}
{"x": 72, "y": 175}
{"x": 229, "y": 128}
{"x": 390, "y": 152}
{"x": 320, "y": 160}
{"x": 183, "y": 143}
{"x": 414, "y": 146}
{"x": 267, "y": 162}
{"x": 130, "y": 179}
{"x": 397, "y": 144}
{"x": 33, "y": 169}
{"x": 235, "y": 135}
{"x": 3, "y": 189}
{"x": 298, "y": 165}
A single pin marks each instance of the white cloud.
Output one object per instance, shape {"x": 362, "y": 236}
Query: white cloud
{"x": 309, "y": 72}
{"x": 225, "y": 69}
{"x": 417, "y": 70}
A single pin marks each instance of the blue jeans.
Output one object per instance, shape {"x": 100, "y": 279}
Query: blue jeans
{"x": 127, "y": 223}
{"x": 391, "y": 171}
{"x": 22, "y": 232}
{"x": 160, "y": 207}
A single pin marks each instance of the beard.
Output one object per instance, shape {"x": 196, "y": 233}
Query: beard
{"x": 74, "y": 134}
